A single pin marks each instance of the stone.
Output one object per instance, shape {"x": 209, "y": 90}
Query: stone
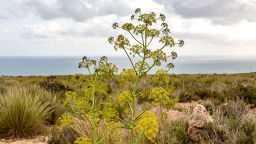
{"x": 200, "y": 118}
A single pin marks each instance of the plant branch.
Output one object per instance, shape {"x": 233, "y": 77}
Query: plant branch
{"x": 143, "y": 112}
{"x": 150, "y": 41}
{"x": 130, "y": 61}
{"x": 134, "y": 38}
{"x": 150, "y": 67}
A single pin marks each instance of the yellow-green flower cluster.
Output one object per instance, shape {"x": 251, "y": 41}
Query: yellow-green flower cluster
{"x": 160, "y": 78}
{"x": 75, "y": 102}
{"x": 144, "y": 94}
{"x": 102, "y": 91}
{"x": 126, "y": 76}
{"x": 159, "y": 96}
{"x": 124, "y": 99}
{"x": 164, "y": 115}
{"x": 147, "y": 125}
{"x": 108, "y": 111}
{"x": 65, "y": 120}
{"x": 82, "y": 140}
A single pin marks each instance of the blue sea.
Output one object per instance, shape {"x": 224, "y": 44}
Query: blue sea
{"x": 27, "y": 66}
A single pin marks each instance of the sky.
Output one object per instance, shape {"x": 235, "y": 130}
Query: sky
{"x": 82, "y": 27}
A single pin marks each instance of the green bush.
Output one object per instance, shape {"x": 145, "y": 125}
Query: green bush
{"x": 247, "y": 93}
{"x": 205, "y": 93}
{"x": 176, "y": 133}
{"x": 232, "y": 124}
{"x": 21, "y": 113}
{"x": 247, "y": 132}
{"x": 216, "y": 133}
{"x": 187, "y": 96}
{"x": 54, "y": 86}
{"x": 2, "y": 89}
{"x": 209, "y": 106}
{"x": 63, "y": 136}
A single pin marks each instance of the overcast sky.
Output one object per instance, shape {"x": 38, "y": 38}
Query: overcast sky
{"x": 81, "y": 27}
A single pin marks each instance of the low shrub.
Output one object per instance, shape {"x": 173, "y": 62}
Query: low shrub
{"x": 54, "y": 86}
{"x": 187, "y": 96}
{"x": 175, "y": 133}
{"x": 232, "y": 124}
{"x": 63, "y": 136}
{"x": 2, "y": 89}
{"x": 209, "y": 106}
{"x": 21, "y": 113}
{"x": 245, "y": 92}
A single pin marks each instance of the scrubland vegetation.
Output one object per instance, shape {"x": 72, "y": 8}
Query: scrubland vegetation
{"x": 107, "y": 107}
{"x": 39, "y": 101}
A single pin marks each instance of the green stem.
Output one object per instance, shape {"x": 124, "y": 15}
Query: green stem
{"x": 138, "y": 74}
{"x": 133, "y": 110}
{"x": 150, "y": 41}
{"x": 130, "y": 60}
{"x": 95, "y": 137}
{"x": 94, "y": 123}
{"x": 134, "y": 38}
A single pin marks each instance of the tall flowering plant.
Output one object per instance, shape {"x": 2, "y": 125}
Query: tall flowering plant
{"x": 93, "y": 105}
{"x": 143, "y": 56}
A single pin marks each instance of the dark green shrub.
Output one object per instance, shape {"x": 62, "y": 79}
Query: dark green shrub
{"x": 2, "y": 89}
{"x": 179, "y": 130}
{"x": 209, "y": 106}
{"x": 247, "y": 93}
{"x": 215, "y": 133}
{"x": 205, "y": 93}
{"x": 52, "y": 85}
{"x": 176, "y": 134}
{"x": 247, "y": 132}
{"x": 63, "y": 136}
{"x": 233, "y": 122}
{"x": 187, "y": 96}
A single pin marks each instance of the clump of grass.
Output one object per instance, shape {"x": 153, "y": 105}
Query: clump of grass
{"x": 50, "y": 99}
{"x": 22, "y": 114}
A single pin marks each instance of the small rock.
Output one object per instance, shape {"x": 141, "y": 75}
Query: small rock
{"x": 200, "y": 117}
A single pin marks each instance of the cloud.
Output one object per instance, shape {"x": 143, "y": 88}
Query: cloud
{"x": 79, "y": 10}
{"x": 10, "y": 9}
{"x": 218, "y": 11}
{"x": 98, "y": 26}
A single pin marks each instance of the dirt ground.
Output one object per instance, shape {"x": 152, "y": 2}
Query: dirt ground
{"x": 36, "y": 140}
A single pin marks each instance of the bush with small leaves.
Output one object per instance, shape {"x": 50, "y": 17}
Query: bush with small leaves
{"x": 63, "y": 135}
{"x": 177, "y": 133}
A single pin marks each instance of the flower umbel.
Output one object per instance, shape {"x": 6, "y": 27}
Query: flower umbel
{"x": 147, "y": 125}
{"x": 160, "y": 96}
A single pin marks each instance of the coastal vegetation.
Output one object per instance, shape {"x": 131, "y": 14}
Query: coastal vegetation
{"x": 109, "y": 105}
{"x": 229, "y": 98}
